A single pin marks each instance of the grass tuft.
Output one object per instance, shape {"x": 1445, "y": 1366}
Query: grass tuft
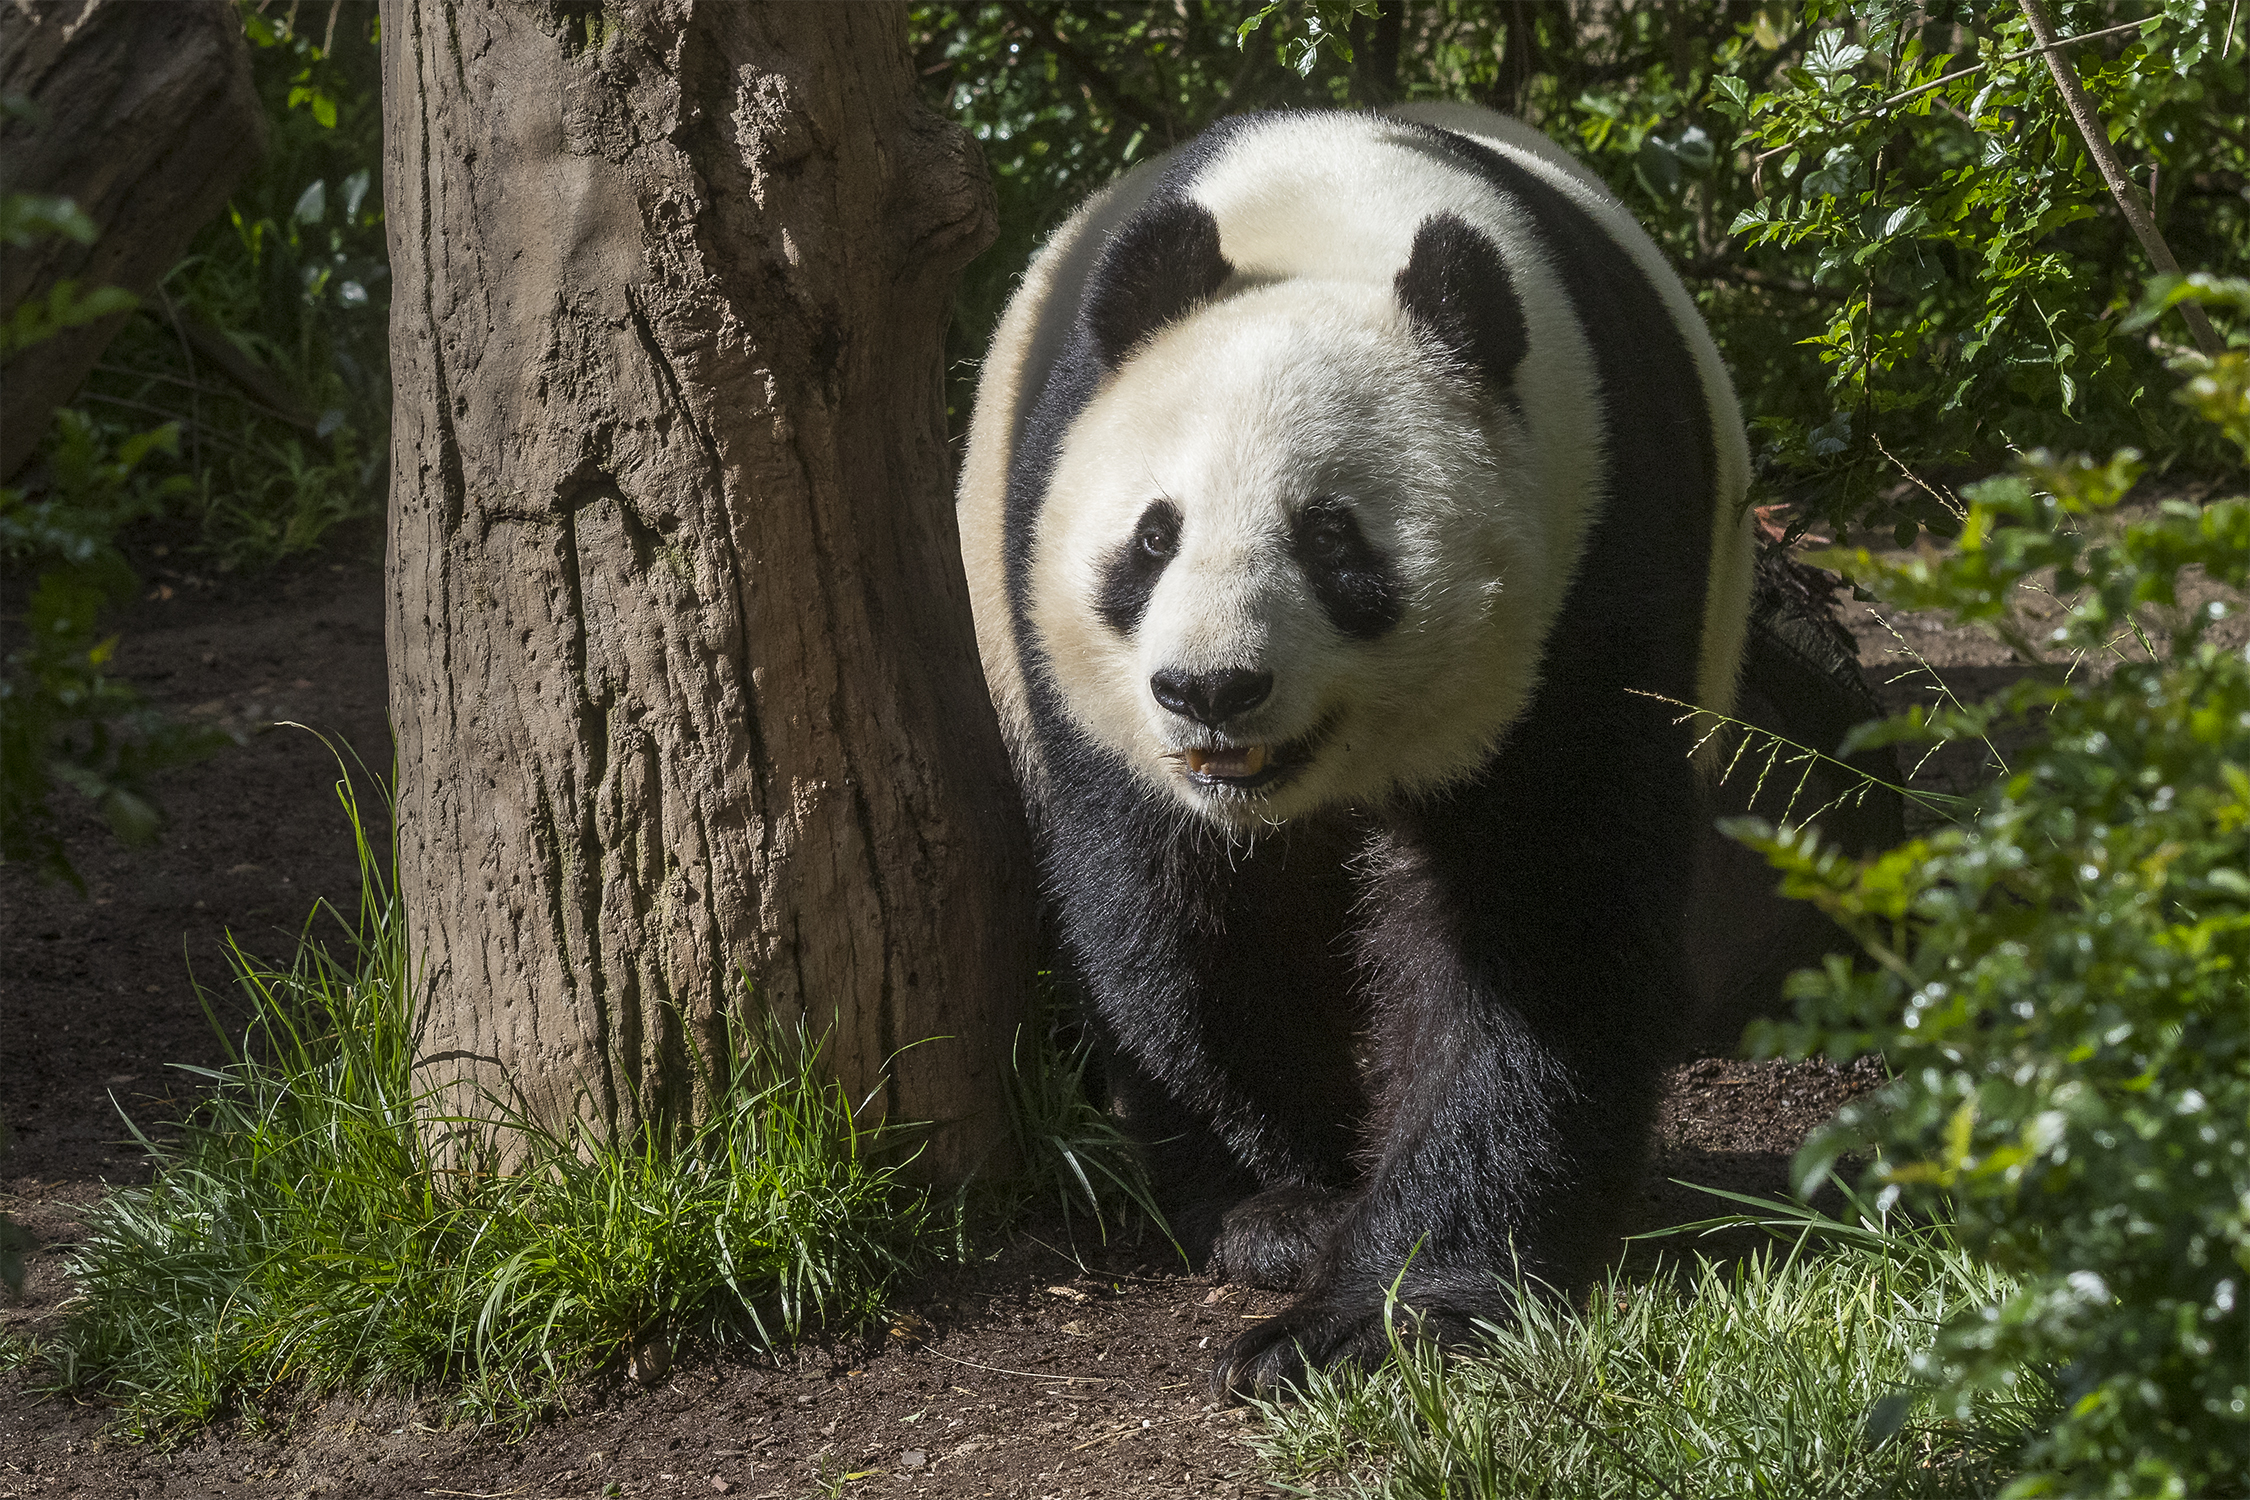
{"x": 1786, "y": 1375}
{"x": 1072, "y": 1149}
{"x": 306, "y": 1236}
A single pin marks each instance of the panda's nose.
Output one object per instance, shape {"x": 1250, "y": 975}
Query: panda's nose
{"x": 1210, "y": 698}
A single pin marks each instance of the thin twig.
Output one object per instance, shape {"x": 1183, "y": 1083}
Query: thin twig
{"x": 1953, "y": 507}
{"x": 2096, "y": 137}
{"x": 1713, "y": 269}
{"x": 169, "y": 416}
{"x": 204, "y": 390}
{"x": 1146, "y": 1426}
{"x": 195, "y": 396}
{"x": 1029, "y": 1374}
{"x": 253, "y": 378}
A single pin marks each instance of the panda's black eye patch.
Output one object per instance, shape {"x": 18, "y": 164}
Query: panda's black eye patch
{"x": 1352, "y": 580}
{"x": 1133, "y": 569}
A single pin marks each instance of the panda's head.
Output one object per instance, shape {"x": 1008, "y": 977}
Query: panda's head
{"x": 1280, "y": 566}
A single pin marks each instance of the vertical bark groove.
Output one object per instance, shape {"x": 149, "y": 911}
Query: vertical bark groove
{"x": 681, "y": 663}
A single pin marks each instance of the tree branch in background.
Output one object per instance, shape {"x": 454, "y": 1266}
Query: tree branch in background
{"x": 1519, "y": 58}
{"x": 1375, "y": 49}
{"x": 2049, "y": 47}
{"x": 1043, "y": 29}
{"x": 253, "y": 379}
{"x": 2096, "y": 137}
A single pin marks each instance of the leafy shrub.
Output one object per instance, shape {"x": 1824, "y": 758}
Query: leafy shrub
{"x": 268, "y": 342}
{"x": 26, "y": 218}
{"x": 1921, "y": 165}
{"x": 1898, "y": 273}
{"x": 276, "y": 308}
{"x": 63, "y": 719}
{"x": 2062, "y": 981}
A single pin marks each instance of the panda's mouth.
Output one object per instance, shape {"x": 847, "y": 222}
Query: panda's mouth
{"x": 1234, "y": 765}
{"x": 1249, "y": 768}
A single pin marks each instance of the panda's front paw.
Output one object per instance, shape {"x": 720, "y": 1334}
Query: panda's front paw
{"x": 1271, "y": 1361}
{"x": 1272, "y": 1238}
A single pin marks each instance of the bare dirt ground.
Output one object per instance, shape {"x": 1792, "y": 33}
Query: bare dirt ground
{"x": 1027, "y": 1374}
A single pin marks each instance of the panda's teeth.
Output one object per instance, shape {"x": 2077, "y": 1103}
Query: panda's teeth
{"x": 1228, "y": 765}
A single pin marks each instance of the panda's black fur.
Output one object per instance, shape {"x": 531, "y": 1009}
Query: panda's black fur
{"x": 1424, "y": 1032}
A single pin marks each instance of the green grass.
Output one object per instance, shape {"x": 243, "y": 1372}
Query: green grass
{"x": 306, "y": 1236}
{"x": 1787, "y": 1375}
{"x": 1073, "y": 1151}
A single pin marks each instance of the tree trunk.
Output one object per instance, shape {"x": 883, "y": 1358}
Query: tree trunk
{"x": 149, "y": 120}
{"x": 682, "y": 671}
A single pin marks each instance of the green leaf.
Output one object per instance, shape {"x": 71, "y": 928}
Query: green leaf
{"x": 131, "y": 818}
{"x": 65, "y": 307}
{"x": 1905, "y": 221}
{"x": 28, "y": 217}
{"x": 1832, "y": 52}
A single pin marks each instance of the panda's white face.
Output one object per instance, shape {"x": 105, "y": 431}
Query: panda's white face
{"x": 1280, "y": 566}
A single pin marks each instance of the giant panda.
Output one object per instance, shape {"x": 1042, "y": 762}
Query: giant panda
{"x": 1350, "y": 500}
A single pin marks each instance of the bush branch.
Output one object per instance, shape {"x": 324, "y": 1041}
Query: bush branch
{"x": 2049, "y": 46}
{"x": 2096, "y": 137}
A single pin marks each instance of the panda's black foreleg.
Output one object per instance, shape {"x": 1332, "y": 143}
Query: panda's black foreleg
{"x": 1221, "y": 990}
{"x": 1274, "y": 1239}
{"x": 1228, "y": 1220}
{"x": 1528, "y": 973}
{"x": 1195, "y": 1174}
{"x": 1244, "y": 1123}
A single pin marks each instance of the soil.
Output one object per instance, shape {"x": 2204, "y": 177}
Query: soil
{"x": 1044, "y": 1369}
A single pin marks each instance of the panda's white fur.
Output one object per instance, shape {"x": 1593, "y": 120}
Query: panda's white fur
{"x": 1304, "y": 376}
{"x": 1209, "y": 414}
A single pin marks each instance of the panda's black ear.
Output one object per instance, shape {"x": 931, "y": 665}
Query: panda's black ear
{"x": 1457, "y": 288}
{"x": 1163, "y": 261}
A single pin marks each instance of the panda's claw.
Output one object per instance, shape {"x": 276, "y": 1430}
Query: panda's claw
{"x": 1272, "y": 1361}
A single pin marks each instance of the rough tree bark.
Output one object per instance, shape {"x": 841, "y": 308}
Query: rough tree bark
{"x": 149, "y": 120}
{"x": 682, "y": 671}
